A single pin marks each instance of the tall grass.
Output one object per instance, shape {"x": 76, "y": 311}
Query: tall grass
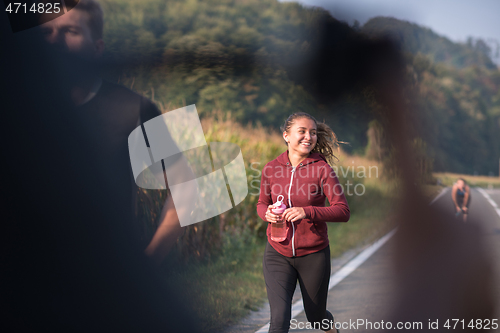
{"x": 447, "y": 179}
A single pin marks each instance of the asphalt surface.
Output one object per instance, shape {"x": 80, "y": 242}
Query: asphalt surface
{"x": 367, "y": 294}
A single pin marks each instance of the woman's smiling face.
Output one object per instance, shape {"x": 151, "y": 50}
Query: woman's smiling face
{"x": 301, "y": 137}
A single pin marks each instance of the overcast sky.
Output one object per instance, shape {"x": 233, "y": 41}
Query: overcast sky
{"x": 455, "y": 19}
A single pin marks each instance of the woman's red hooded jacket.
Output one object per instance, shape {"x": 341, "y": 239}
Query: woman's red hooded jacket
{"x": 306, "y": 185}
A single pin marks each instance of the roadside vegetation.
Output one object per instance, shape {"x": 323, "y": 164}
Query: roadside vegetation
{"x": 448, "y": 179}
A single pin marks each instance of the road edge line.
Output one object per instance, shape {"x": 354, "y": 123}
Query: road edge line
{"x": 443, "y": 191}
{"x": 488, "y": 198}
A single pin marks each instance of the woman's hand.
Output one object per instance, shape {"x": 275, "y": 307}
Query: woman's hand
{"x": 293, "y": 214}
{"x": 270, "y": 216}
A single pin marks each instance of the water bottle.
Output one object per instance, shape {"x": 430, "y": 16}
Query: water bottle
{"x": 278, "y": 229}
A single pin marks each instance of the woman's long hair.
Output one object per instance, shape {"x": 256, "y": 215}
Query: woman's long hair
{"x": 327, "y": 140}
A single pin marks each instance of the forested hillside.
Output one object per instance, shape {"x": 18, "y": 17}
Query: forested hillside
{"x": 414, "y": 39}
{"x": 457, "y": 95}
{"x": 243, "y": 57}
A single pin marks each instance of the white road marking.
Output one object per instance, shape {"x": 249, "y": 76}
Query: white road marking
{"x": 348, "y": 268}
{"x": 358, "y": 260}
{"x": 443, "y": 191}
{"x": 487, "y": 196}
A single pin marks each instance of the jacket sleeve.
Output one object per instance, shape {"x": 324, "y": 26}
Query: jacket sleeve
{"x": 338, "y": 211}
{"x": 265, "y": 193}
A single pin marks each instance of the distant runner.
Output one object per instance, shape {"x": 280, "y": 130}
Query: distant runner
{"x": 460, "y": 194}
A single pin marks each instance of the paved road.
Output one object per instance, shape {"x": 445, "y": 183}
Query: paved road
{"x": 367, "y": 293}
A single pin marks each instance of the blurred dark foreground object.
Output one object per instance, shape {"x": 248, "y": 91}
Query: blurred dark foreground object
{"x": 69, "y": 262}
{"x": 443, "y": 269}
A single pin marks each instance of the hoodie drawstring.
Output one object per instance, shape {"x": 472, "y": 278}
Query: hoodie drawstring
{"x": 290, "y": 204}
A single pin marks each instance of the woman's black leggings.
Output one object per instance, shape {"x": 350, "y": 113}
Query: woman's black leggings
{"x": 281, "y": 274}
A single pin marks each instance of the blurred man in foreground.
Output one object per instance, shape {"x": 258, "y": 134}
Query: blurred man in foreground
{"x": 69, "y": 261}
{"x": 108, "y": 112}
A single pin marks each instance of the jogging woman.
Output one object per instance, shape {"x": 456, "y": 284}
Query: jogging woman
{"x": 460, "y": 194}
{"x": 304, "y": 178}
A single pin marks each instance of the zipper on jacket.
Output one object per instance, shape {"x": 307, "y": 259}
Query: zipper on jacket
{"x": 290, "y": 204}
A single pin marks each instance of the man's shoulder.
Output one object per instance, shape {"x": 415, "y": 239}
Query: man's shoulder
{"x": 117, "y": 90}
{"x": 124, "y": 96}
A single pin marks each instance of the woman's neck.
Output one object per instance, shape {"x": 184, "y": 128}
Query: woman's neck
{"x": 295, "y": 159}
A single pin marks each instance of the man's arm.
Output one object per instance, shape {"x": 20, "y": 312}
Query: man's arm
{"x": 169, "y": 228}
{"x": 179, "y": 170}
{"x": 166, "y": 235}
